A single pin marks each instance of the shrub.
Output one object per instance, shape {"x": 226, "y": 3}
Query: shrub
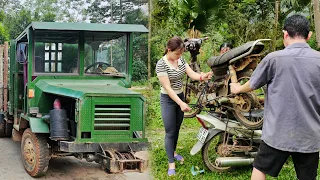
{"x": 4, "y": 35}
{"x": 139, "y": 71}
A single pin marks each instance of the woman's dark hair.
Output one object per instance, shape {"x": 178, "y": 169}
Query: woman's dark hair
{"x": 174, "y": 43}
{"x": 226, "y": 44}
{"x": 297, "y": 26}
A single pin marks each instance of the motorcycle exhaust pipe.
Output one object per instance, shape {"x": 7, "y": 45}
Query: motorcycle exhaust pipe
{"x": 233, "y": 161}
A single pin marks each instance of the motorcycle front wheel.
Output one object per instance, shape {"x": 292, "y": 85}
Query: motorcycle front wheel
{"x": 192, "y": 97}
{"x": 214, "y": 149}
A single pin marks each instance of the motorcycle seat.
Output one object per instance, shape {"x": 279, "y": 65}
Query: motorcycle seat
{"x": 235, "y": 52}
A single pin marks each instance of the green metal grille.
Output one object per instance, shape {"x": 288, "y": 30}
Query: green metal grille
{"x": 112, "y": 117}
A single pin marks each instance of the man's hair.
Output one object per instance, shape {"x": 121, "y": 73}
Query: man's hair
{"x": 297, "y": 26}
{"x": 226, "y": 44}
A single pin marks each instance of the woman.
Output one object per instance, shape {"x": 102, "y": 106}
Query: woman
{"x": 170, "y": 70}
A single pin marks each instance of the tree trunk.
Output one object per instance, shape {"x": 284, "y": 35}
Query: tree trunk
{"x": 317, "y": 20}
{"x": 121, "y": 13}
{"x": 276, "y": 21}
{"x": 149, "y": 38}
{"x": 111, "y": 12}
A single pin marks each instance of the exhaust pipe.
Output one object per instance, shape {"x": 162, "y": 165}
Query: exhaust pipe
{"x": 233, "y": 161}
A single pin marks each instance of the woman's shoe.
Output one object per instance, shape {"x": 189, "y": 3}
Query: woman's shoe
{"x": 179, "y": 158}
{"x": 171, "y": 172}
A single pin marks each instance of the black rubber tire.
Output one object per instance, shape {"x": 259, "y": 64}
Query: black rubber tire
{"x": 191, "y": 93}
{"x": 3, "y": 129}
{"x": 243, "y": 120}
{"x": 193, "y": 113}
{"x": 8, "y": 129}
{"x": 208, "y": 151}
{"x": 247, "y": 124}
{"x": 35, "y": 153}
{"x": 252, "y": 125}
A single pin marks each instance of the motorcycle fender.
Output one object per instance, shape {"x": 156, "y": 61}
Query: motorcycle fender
{"x": 197, "y": 147}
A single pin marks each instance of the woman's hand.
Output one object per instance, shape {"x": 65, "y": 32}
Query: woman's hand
{"x": 206, "y": 76}
{"x": 185, "y": 107}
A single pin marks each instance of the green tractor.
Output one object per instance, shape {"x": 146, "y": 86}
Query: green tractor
{"x": 69, "y": 95}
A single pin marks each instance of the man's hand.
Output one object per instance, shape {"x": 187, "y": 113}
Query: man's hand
{"x": 235, "y": 88}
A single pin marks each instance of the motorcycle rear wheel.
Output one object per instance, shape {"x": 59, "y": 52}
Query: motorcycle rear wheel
{"x": 253, "y": 100}
{"x": 249, "y": 122}
{"x": 210, "y": 153}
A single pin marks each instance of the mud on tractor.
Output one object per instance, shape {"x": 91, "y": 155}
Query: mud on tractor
{"x": 68, "y": 94}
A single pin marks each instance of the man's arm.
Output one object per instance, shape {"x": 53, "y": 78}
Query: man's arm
{"x": 237, "y": 88}
{"x": 263, "y": 74}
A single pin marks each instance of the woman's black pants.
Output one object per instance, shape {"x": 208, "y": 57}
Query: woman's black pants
{"x": 172, "y": 117}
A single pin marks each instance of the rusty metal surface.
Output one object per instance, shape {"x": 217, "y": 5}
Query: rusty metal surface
{"x": 249, "y": 62}
{"x": 118, "y": 162}
{"x": 215, "y": 95}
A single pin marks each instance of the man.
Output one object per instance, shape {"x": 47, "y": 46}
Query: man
{"x": 292, "y": 106}
{"x": 225, "y": 47}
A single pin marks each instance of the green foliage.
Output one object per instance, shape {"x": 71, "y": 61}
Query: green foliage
{"x": 4, "y": 35}
{"x": 160, "y": 11}
{"x": 70, "y": 56}
{"x": 297, "y": 5}
{"x": 2, "y": 16}
{"x": 153, "y": 120}
{"x": 139, "y": 71}
{"x": 46, "y": 17}
{"x": 111, "y": 12}
{"x": 3, "y": 3}
{"x": 196, "y": 13}
{"x": 313, "y": 42}
{"x": 136, "y": 16}
{"x": 140, "y": 46}
{"x": 51, "y": 10}
{"x": 17, "y": 22}
{"x": 141, "y": 83}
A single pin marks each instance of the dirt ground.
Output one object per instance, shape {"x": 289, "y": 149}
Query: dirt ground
{"x": 67, "y": 168}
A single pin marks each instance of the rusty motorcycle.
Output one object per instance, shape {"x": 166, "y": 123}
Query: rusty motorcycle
{"x": 230, "y": 131}
{"x": 236, "y": 65}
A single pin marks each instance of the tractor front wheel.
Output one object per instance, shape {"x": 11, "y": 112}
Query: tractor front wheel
{"x": 35, "y": 153}
{"x": 3, "y": 129}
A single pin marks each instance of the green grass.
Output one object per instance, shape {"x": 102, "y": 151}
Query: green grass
{"x": 187, "y": 138}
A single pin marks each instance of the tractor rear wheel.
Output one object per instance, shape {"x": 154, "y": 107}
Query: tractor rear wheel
{"x": 35, "y": 153}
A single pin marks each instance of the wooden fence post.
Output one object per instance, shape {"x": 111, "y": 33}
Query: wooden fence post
{"x": 1, "y": 77}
